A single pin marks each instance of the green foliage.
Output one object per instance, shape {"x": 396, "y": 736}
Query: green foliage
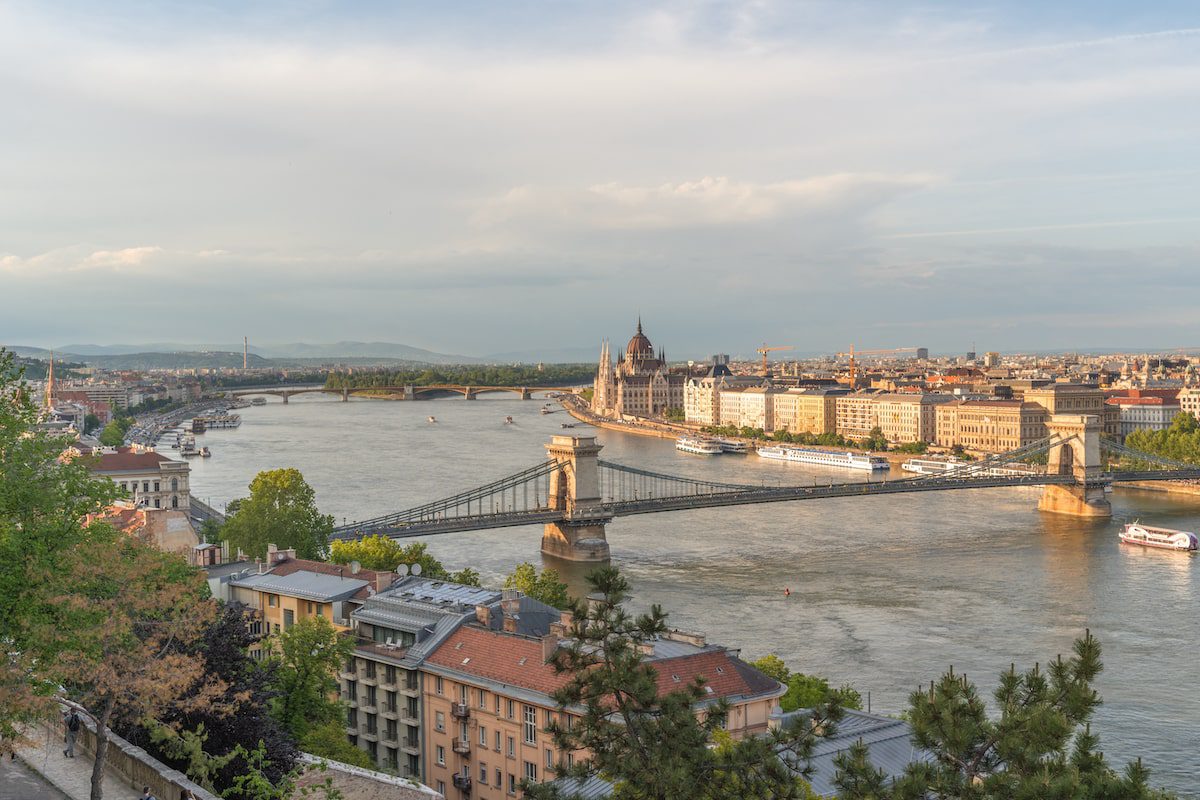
{"x": 651, "y": 745}
{"x": 328, "y": 740}
{"x": 544, "y": 586}
{"x": 809, "y": 691}
{"x": 466, "y": 375}
{"x": 1180, "y": 442}
{"x": 43, "y": 499}
{"x": 875, "y": 441}
{"x": 90, "y": 423}
{"x": 306, "y": 658}
{"x": 211, "y": 531}
{"x": 381, "y": 553}
{"x": 280, "y": 510}
{"x": 773, "y": 667}
{"x": 112, "y": 435}
{"x": 1040, "y": 746}
{"x": 916, "y": 448}
{"x": 674, "y": 415}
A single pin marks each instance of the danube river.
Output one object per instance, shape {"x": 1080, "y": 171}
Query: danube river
{"x": 885, "y": 592}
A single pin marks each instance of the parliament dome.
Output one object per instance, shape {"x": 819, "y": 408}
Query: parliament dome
{"x": 639, "y": 346}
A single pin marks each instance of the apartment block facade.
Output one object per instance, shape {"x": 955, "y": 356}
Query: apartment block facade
{"x": 989, "y": 426}
{"x": 857, "y": 414}
{"x": 806, "y": 410}
{"x": 907, "y": 418}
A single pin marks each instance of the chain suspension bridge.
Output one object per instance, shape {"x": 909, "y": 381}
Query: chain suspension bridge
{"x": 574, "y": 493}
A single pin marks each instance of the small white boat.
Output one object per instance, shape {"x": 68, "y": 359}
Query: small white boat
{"x": 698, "y": 445}
{"x": 431, "y": 418}
{"x": 508, "y": 420}
{"x": 1162, "y": 538}
{"x": 205, "y": 452}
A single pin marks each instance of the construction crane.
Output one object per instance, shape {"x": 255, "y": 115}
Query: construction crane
{"x": 765, "y": 349}
{"x": 887, "y": 352}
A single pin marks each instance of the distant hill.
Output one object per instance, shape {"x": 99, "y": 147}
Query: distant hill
{"x": 388, "y": 353}
{"x": 385, "y": 350}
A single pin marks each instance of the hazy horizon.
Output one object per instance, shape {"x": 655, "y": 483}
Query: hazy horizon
{"x": 474, "y": 178}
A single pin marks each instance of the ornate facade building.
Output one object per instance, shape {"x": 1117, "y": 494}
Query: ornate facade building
{"x": 639, "y": 384}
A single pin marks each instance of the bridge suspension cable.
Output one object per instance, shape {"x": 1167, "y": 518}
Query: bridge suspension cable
{"x": 619, "y": 482}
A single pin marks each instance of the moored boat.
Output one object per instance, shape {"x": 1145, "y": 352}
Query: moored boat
{"x": 431, "y": 418}
{"x": 508, "y": 420}
{"x": 732, "y": 446}
{"x": 1162, "y": 538}
{"x": 824, "y": 458}
{"x": 699, "y": 445}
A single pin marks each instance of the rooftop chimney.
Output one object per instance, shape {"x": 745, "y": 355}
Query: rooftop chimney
{"x": 483, "y": 615}
{"x": 383, "y": 580}
{"x": 549, "y": 646}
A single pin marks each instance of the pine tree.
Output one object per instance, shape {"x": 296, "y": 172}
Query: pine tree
{"x": 652, "y": 746}
{"x": 1041, "y": 745}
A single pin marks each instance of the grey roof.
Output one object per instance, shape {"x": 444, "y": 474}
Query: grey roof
{"x": 227, "y": 569}
{"x": 308, "y": 585}
{"x": 534, "y": 617}
{"x": 415, "y": 590}
{"x": 888, "y": 740}
{"x": 591, "y": 788}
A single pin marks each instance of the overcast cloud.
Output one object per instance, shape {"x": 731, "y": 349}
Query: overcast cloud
{"x": 491, "y": 177}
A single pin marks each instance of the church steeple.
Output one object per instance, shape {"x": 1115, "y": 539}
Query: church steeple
{"x": 50, "y": 383}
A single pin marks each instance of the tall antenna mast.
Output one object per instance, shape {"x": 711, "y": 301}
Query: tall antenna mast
{"x": 245, "y": 351}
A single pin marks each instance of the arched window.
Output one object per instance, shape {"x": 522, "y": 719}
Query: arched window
{"x": 175, "y": 501}
{"x": 174, "y": 484}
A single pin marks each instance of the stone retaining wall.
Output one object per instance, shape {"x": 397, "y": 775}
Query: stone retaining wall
{"x": 137, "y": 767}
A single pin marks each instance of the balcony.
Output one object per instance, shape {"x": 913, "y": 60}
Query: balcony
{"x": 409, "y": 716}
{"x": 392, "y": 710}
{"x": 409, "y": 690}
{"x": 461, "y": 746}
{"x": 460, "y": 710}
{"x": 410, "y": 745}
{"x": 462, "y": 782}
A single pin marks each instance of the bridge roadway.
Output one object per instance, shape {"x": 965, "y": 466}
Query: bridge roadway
{"x": 605, "y": 512}
{"x": 409, "y": 391}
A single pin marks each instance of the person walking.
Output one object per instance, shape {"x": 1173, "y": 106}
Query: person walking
{"x": 146, "y": 795}
{"x": 72, "y": 724}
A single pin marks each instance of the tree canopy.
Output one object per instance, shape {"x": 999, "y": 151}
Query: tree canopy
{"x": 381, "y": 553}
{"x": 280, "y": 510}
{"x": 1181, "y": 441}
{"x": 544, "y": 586}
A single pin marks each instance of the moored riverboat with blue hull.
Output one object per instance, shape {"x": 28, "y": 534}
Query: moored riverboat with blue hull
{"x": 824, "y": 458}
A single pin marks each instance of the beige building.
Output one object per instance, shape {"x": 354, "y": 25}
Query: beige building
{"x": 907, "y": 418}
{"x": 487, "y": 693}
{"x": 702, "y": 395}
{"x": 1075, "y": 398}
{"x": 749, "y": 407}
{"x": 857, "y": 414}
{"x": 806, "y": 410}
{"x": 639, "y": 385}
{"x": 1189, "y": 401}
{"x": 989, "y": 426}
{"x": 150, "y": 478}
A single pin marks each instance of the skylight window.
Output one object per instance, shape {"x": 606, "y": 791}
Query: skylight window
{"x": 675, "y": 678}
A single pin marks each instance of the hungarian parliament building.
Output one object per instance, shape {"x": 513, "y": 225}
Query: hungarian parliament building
{"x": 637, "y": 385}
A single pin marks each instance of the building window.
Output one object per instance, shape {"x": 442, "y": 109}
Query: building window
{"x": 497, "y": 705}
{"x": 530, "y": 771}
{"x": 371, "y": 724}
{"x": 438, "y": 684}
{"x": 370, "y": 695}
{"x": 157, "y": 503}
{"x": 483, "y": 774}
{"x": 174, "y": 502}
{"x": 462, "y": 694}
{"x": 391, "y": 674}
{"x": 156, "y": 483}
{"x": 512, "y": 747}
{"x": 289, "y": 618}
{"x": 483, "y": 736}
{"x": 482, "y": 699}
{"x": 439, "y": 721}
{"x": 272, "y": 600}
{"x": 530, "y": 725}
{"x": 352, "y": 690}
{"x": 351, "y": 718}
{"x": 512, "y": 783}
{"x": 391, "y": 702}
{"x": 174, "y": 484}
{"x": 549, "y": 759}
{"x": 441, "y": 755}
{"x": 497, "y": 741}
{"x": 145, "y": 486}
{"x": 499, "y": 779}
{"x": 373, "y": 749}
{"x": 509, "y": 708}
{"x": 442, "y": 788}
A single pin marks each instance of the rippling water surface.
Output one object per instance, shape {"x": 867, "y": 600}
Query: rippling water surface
{"x": 885, "y": 591}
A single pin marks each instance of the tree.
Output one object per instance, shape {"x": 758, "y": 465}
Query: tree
{"x": 210, "y": 531}
{"x": 244, "y": 721}
{"x": 43, "y": 498}
{"x": 281, "y": 510}
{"x": 112, "y": 435}
{"x": 806, "y": 691}
{"x": 1040, "y": 746}
{"x": 305, "y": 659}
{"x": 773, "y": 667}
{"x": 1181, "y": 441}
{"x": 124, "y": 617}
{"x": 381, "y": 553}
{"x": 90, "y": 423}
{"x": 651, "y": 745}
{"x": 875, "y": 440}
{"x": 544, "y": 586}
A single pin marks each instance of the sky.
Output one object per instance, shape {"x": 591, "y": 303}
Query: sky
{"x": 481, "y": 177}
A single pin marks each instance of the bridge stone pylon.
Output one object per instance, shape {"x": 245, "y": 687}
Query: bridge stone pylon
{"x": 575, "y": 490}
{"x": 1079, "y": 456}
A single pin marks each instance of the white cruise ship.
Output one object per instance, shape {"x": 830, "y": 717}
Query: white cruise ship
{"x": 698, "y": 445}
{"x": 730, "y": 446}
{"x": 937, "y": 466}
{"x": 824, "y": 458}
{"x": 1163, "y": 538}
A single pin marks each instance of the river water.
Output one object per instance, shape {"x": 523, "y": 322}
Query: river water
{"x": 885, "y": 592}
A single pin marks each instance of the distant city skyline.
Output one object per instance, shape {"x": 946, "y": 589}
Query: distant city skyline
{"x": 476, "y": 178}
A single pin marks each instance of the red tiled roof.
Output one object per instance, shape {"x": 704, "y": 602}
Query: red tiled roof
{"x": 126, "y": 459}
{"x": 498, "y": 656}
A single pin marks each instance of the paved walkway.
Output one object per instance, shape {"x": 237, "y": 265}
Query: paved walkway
{"x": 72, "y": 776}
{"x": 19, "y": 782}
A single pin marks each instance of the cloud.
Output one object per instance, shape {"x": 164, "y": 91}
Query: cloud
{"x": 705, "y": 202}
